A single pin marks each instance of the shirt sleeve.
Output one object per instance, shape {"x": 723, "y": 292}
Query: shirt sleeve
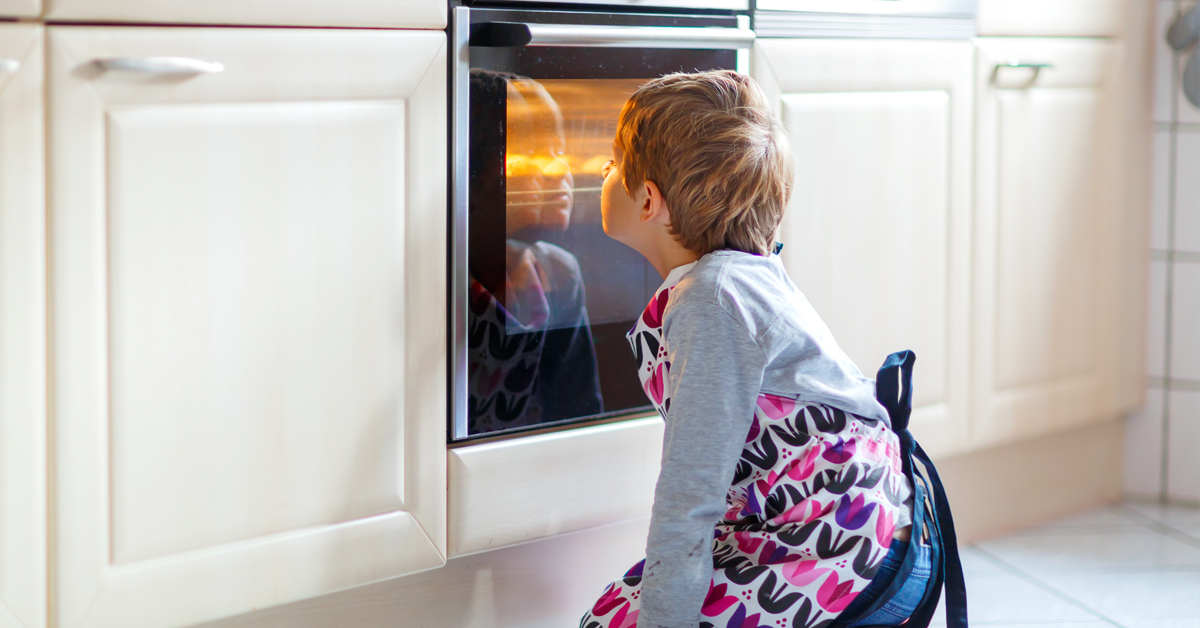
{"x": 716, "y": 372}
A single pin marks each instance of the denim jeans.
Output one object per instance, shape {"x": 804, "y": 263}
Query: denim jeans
{"x": 897, "y": 610}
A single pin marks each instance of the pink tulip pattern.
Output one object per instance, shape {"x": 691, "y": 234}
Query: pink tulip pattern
{"x": 813, "y": 497}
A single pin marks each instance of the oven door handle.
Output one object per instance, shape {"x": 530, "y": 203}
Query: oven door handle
{"x": 515, "y": 34}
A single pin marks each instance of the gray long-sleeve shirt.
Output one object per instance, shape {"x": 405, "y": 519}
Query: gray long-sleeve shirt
{"x": 735, "y": 326}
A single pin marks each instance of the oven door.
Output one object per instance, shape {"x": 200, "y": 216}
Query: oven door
{"x": 734, "y": 5}
{"x": 541, "y": 298}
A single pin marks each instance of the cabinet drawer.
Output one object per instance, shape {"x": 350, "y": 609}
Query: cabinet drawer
{"x": 1056, "y": 18}
{"x": 377, "y": 13}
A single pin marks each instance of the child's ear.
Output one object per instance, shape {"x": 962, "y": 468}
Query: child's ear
{"x": 654, "y": 208}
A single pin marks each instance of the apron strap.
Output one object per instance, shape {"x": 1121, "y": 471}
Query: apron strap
{"x": 951, "y": 572}
{"x": 893, "y": 388}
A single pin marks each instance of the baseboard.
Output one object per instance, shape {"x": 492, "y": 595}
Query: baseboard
{"x": 998, "y": 490}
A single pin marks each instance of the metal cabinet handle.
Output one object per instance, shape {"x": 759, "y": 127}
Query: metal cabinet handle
{"x": 1037, "y": 68}
{"x": 9, "y": 66}
{"x": 159, "y": 65}
{"x": 1016, "y": 63}
{"x": 513, "y": 34}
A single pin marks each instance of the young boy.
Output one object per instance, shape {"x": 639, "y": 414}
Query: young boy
{"x": 781, "y": 490}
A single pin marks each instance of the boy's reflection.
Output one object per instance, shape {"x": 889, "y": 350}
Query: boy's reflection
{"x": 530, "y": 346}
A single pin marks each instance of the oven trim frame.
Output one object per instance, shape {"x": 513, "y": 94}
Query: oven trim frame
{"x": 738, "y": 39}
{"x": 460, "y": 77}
{"x": 727, "y": 5}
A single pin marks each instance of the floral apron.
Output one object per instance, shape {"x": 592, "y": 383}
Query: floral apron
{"x": 809, "y": 518}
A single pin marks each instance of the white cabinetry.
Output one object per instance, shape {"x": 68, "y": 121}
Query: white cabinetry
{"x": 22, "y": 330}
{"x": 1043, "y": 327}
{"x": 1058, "y": 18}
{"x": 877, "y": 234}
{"x": 377, "y": 13}
{"x": 20, "y": 8}
{"x": 248, "y": 331}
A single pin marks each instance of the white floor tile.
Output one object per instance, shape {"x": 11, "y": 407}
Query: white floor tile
{"x": 1107, "y": 520}
{"x": 976, "y": 564}
{"x": 991, "y": 599}
{"x": 1144, "y": 448}
{"x": 1185, "y": 312}
{"x": 1040, "y": 555}
{"x": 1067, "y": 624}
{"x": 1166, "y": 513}
{"x": 1187, "y": 191}
{"x": 1156, "y": 319}
{"x": 1161, "y": 188}
{"x": 1186, "y": 622}
{"x": 1183, "y": 453}
{"x": 1164, "y": 80}
{"x": 1126, "y": 596}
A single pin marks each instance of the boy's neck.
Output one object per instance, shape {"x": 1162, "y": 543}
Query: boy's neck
{"x": 669, "y": 255}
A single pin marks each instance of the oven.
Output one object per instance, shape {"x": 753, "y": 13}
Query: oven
{"x": 540, "y": 298}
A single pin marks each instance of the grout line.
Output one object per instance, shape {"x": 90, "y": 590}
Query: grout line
{"x": 1186, "y": 385}
{"x": 1180, "y": 127}
{"x": 1168, "y": 315}
{"x": 1034, "y": 622}
{"x": 1016, "y": 571}
{"x": 1148, "y": 522}
{"x": 1179, "y": 257}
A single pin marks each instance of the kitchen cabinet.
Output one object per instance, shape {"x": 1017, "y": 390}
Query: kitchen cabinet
{"x": 248, "y": 340}
{"x": 1056, "y": 18}
{"x": 1044, "y": 301}
{"x": 877, "y": 233}
{"x": 369, "y": 13}
{"x": 22, "y": 329}
{"x": 20, "y": 8}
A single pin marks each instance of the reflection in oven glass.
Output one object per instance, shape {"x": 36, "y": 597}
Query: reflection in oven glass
{"x": 551, "y": 295}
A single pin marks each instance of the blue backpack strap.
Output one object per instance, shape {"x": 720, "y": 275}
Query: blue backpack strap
{"x": 951, "y": 572}
{"x": 893, "y": 389}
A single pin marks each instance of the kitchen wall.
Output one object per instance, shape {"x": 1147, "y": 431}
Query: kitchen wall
{"x": 1162, "y": 456}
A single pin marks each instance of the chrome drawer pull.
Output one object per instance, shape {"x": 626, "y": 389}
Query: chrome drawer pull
{"x": 159, "y": 65}
{"x": 1017, "y": 63}
{"x": 9, "y": 66}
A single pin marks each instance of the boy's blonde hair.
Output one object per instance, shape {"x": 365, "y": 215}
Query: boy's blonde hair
{"x": 716, "y": 152}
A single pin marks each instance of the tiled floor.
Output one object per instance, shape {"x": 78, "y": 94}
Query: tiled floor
{"x": 1129, "y": 565}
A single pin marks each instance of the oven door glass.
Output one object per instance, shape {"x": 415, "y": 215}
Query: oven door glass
{"x": 550, "y": 296}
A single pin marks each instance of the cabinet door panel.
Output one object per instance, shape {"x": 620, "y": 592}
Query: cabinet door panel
{"x": 379, "y": 13}
{"x": 1043, "y": 314}
{"x": 1046, "y": 267}
{"x": 20, "y": 8}
{"x": 250, "y": 321}
{"x": 877, "y": 231}
{"x": 869, "y": 219}
{"x": 22, "y": 330}
{"x": 1060, "y": 18}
